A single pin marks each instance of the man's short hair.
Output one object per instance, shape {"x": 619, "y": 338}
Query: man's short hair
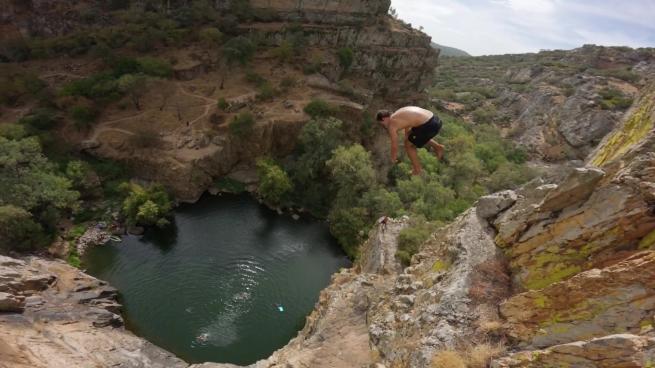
{"x": 382, "y": 114}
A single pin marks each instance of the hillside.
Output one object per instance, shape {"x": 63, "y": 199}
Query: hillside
{"x": 557, "y": 104}
{"x": 200, "y": 74}
{"x": 450, "y": 51}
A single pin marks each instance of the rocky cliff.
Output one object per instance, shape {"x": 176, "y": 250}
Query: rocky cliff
{"x": 559, "y": 273}
{"x": 53, "y": 315}
{"x": 557, "y": 104}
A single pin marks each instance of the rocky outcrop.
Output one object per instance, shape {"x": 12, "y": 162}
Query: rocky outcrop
{"x": 315, "y": 11}
{"x": 590, "y": 219}
{"x": 378, "y": 254}
{"x": 598, "y": 302}
{"x": 63, "y": 318}
{"x": 445, "y": 296}
{"x": 614, "y": 351}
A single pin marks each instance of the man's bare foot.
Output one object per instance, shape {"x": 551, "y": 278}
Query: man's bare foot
{"x": 438, "y": 151}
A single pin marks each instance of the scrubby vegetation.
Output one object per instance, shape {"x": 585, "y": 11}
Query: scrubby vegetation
{"x": 33, "y": 195}
{"x": 242, "y": 124}
{"x": 146, "y": 205}
{"x": 334, "y": 177}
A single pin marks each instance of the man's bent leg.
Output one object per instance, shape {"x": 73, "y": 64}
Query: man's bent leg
{"x": 413, "y": 157}
{"x": 438, "y": 148}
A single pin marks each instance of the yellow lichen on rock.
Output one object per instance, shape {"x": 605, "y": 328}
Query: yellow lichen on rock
{"x": 635, "y": 128}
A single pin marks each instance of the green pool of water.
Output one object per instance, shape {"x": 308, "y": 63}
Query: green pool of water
{"x": 208, "y": 288}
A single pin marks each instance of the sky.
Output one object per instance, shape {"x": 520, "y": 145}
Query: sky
{"x": 486, "y": 27}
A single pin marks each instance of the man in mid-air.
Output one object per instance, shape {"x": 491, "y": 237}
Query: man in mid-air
{"x": 420, "y": 127}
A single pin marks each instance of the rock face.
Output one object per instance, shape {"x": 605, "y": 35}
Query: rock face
{"x": 316, "y": 11}
{"x": 55, "y": 316}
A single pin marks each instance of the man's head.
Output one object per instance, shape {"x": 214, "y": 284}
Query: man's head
{"x": 383, "y": 117}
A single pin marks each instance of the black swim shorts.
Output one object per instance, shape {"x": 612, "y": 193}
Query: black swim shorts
{"x": 422, "y": 134}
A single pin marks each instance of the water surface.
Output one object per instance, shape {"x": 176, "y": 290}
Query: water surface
{"x": 209, "y": 287}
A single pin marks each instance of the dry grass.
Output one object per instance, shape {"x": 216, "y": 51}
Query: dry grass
{"x": 448, "y": 359}
{"x": 480, "y": 355}
{"x": 492, "y": 326}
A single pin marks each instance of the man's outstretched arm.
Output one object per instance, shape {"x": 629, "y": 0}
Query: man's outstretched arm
{"x": 393, "y": 136}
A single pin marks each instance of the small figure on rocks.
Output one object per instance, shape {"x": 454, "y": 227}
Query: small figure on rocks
{"x": 383, "y": 223}
{"x": 420, "y": 126}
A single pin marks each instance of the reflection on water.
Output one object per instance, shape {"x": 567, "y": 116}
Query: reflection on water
{"x": 210, "y": 287}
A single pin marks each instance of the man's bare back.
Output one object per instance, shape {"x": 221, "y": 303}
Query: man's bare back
{"x": 409, "y": 117}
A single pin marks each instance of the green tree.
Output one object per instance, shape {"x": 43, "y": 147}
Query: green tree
{"x": 274, "y": 183}
{"x": 239, "y": 49}
{"x": 30, "y": 184}
{"x": 242, "y": 124}
{"x": 18, "y": 231}
{"x": 210, "y": 36}
{"x": 349, "y": 226}
{"x": 346, "y": 58}
{"x": 134, "y": 85}
{"x": 149, "y": 205}
{"x": 351, "y": 170}
{"x": 155, "y": 67}
{"x": 284, "y": 52}
{"x": 317, "y": 108}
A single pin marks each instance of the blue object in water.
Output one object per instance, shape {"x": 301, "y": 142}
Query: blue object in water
{"x": 280, "y": 308}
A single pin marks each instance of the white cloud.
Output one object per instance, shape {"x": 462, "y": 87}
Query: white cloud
{"x": 515, "y": 26}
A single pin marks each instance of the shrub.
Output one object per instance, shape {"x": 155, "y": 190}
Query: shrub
{"x": 18, "y": 231}
{"x": 155, "y": 67}
{"x": 613, "y": 99}
{"x": 239, "y": 49}
{"x": 229, "y": 185}
{"x": 274, "y": 183}
{"x": 411, "y": 238}
{"x": 119, "y": 4}
{"x": 146, "y": 205}
{"x": 242, "y": 124}
{"x": 319, "y": 108}
{"x": 83, "y": 115}
{"x": 346, "y": 57}
{"x": 287, "y": 83}
{"x": 480, "y": 355}
{"x": 222, "y": 104}
{"x": 254, "y": 78}
{"x": 485, "y": 115}
{"x": 284, "y": 52}
{"x": 39, "y": 119}
{"x": 348, "y": 225}
{"x": 448, "y": 359}
{"x": 266, "y": 92}
{"x": 624, "y": 74}
{"x": 12, "y": 131}
{"x": 210, "y": 36}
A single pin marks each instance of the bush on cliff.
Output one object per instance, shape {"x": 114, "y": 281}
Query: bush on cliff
{"x": 33, "y": 194}
{"x": 274, "y": 183}
{"x": 318, "y": 108}
{"x": 146, "y": 205}
{"x": 242, "y": 124}
{"x": 18, "y": 231}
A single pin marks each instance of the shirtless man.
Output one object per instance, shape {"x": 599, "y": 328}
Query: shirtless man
{"x": 420, "y": 127}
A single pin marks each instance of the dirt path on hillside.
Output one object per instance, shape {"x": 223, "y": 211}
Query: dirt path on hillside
{"x": 107, "y": 125}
